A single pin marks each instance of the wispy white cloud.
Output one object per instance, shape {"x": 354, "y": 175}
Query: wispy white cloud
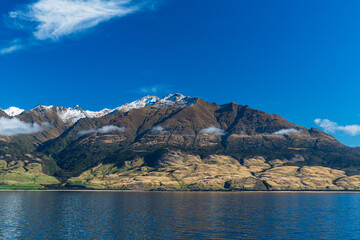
{"x": 286, "y": 131}
{"x": 55, "y": 19}
{"x": 155, "y": 89}
{"x": 14, "y": 126}
{"x": 10, "y": 49}
{"x": 213, "y": 130}
{"x": 103, "y": 130}
{"x": 13, "y": 46}
{"x": 333, "y": 127}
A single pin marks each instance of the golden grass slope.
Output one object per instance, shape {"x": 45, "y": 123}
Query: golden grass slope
{"x": 181, "y": 171}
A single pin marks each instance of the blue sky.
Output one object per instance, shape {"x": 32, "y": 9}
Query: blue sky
{"x": 299, "y": 59}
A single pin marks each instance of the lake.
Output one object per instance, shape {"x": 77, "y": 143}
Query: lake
{"x": 178, "y": 215}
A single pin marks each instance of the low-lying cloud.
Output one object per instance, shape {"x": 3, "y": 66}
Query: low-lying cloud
{"x": 103, "y": 130}
{"x": 333, "y": 127}
{"x": 46, "y": 125}
{"x": 14, "y": 126}
{"x": 213, "y": 130}
{"x": 286, "y": 131}
{"x": 158, "y": 129}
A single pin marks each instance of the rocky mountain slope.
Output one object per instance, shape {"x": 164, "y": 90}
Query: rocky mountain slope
{"x": 178, "y": 143}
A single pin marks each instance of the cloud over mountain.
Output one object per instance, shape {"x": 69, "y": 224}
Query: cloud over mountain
{"x": 103, "y": 130}
{"x": 213, "y": 130}
{"x": 13, "y": 126}
{"x": 158, "y": 129}
{"x": 286, "y": 131}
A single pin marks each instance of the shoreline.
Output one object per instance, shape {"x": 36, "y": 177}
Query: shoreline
{"x": 145, "y": 191}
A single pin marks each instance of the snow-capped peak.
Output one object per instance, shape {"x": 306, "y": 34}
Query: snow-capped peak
{"x": 170, "y": 100}
{"x": 142, "y": 102}
{"x": 72, "y": 115}
{"x": 176, "y": 99}
{"x": 92, "y": 114}
{"x": 39, "y": 107}
{"x": 76, "y": 113}
{"x": 13, "y": 111}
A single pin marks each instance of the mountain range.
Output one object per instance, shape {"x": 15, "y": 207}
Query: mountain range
{"x": 170, "y": 143}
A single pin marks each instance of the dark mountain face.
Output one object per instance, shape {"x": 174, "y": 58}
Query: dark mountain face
{"x": 203, "y": 128}
{"x": 3, "y": 114}
{"x": 49, "y": 118}
{"x": 153, "y": 133}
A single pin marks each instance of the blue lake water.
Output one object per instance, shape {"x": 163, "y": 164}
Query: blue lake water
{"x": 178, "y": 215}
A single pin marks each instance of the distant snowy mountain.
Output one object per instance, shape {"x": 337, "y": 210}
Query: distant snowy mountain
{"x": 13, "y": 111}
{"x": 72, "y": 115}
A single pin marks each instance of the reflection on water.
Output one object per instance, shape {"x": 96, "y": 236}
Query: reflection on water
{"x": 178, "y": 215}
